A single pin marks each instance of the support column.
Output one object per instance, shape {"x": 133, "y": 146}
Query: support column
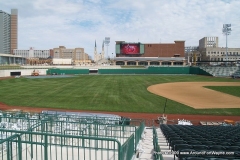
{"x": 125, "y": 63}
{"x": 171, "y": 63}
{"x": 148, "y": 63}
{"x": 136, "y": 63}
{"x": 160, "y": 63}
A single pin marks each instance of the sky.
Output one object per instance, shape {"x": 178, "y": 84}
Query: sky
{"x": 48, "y": 24}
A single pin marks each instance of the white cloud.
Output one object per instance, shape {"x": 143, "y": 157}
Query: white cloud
{"x": 46, "y": 24}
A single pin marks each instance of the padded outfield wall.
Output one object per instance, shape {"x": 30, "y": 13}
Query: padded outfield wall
{"x": 149, "y": 70}
{"x": 199, "y": 71}
{"x": 67, "y": 71}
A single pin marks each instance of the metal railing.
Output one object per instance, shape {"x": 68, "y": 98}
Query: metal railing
{"x": 46, "y": 146}
{"x": 157, "y": 150}
{"x": 43, "y": 137}
{"x": 11, "y": 148}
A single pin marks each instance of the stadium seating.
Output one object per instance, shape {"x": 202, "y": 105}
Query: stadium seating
{"x": 221, "y": 71}
{"x": 236, "y": 74}
{"x": 194, "y": 158}
{"x": 205, "y": 140}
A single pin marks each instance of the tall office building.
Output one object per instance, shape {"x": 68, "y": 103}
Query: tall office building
{"x": 8, "y": 31}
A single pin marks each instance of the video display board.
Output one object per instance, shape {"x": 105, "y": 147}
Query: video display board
{"x": 130, "y": 48}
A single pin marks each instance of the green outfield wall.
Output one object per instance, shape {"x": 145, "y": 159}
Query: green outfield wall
{"x": 67, "y": 71}
{"x": 199, "y": 71}
{"x": 149, "y": 70}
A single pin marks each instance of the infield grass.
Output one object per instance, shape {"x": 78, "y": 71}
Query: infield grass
{"x": 123, "y": 93}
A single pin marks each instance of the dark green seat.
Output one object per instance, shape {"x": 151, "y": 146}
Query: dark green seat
{"x": 179, "y": 147}
{"x": 172, "y": 139}
{"x": 194, "y": 158}
{"x": 184, "y": 153}
{"x": 216, "y": 147}
{"x": 208, "y": 143}
{"x": 194, "y": 142}
{"x": 218, "y": 159}
{"x": 174, "y": 142}
{"x": 232, "y": 148}
{"x": 223, "y": 143}
{"x": 199, "y": 147}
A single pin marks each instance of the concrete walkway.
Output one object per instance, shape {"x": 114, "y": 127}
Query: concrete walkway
{"x": 145, "y": 148}
{"x": 146, "y": 145}
{"x": 167, "y": 154}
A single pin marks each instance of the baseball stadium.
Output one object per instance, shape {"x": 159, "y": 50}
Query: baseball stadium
{"x": 141, "y": 108}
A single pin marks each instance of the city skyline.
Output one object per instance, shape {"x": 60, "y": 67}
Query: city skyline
{"x": 75, "y": 23}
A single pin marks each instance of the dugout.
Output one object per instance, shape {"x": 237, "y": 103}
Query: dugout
{"x": 15, "y": 73}
{"x": 93, "y": 71}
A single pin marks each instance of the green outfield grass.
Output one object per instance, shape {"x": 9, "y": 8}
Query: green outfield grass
{"x": 124, "y": 93}
{"x": 233, "y": 90}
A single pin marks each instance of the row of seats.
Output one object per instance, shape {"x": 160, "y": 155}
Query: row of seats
{"x": 203, "y": 141}
{"x": 220, "y": 71}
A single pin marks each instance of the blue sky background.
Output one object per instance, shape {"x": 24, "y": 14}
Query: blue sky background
{"x": 46, "y": 24}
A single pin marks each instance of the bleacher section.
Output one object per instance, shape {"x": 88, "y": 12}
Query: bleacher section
{"x": 237, "y": 73}
{"x": 203, "y": 142}
{"x": 221, "y": 71}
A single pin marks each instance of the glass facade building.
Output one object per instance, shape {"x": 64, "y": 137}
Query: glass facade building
{"x": 8, "y": 31}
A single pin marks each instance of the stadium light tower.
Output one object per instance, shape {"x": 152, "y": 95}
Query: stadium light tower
{"x": 107, "y": 41}
{"x": 226, "y": 31}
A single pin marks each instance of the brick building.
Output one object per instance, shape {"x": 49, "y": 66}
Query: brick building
{"x": 77, "y": 55}
{"x": 150, "y": 53}
{"x": 208, "y": 52}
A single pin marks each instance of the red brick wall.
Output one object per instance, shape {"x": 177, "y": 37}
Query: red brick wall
{"x": 51, "y": 53}
{"x": 164, "y": 50}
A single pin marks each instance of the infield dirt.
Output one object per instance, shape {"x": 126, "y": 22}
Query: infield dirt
{"x": 194, "y": 94}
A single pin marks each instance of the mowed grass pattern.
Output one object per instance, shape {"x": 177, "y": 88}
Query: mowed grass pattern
{"x": 123, "y": 93}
